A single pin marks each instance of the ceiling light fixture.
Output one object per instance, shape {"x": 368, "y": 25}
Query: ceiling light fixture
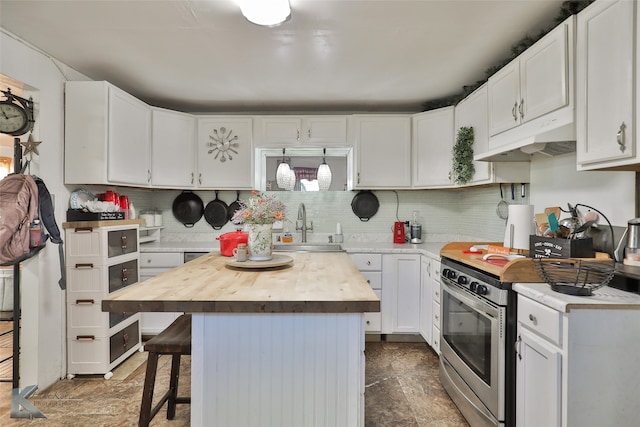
{"x": 324, "y": 173}
{"x": 265, "y": 12}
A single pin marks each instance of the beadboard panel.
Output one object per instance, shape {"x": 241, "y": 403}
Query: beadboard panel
{"x": 278, "y": 370}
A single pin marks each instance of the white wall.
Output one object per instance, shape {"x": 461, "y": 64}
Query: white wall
{"x": 42, "y": 336}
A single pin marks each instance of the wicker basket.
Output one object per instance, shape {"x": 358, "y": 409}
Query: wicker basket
{"x": 574, "y": 276}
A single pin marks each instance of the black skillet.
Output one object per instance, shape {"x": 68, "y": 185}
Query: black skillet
{"x": 234, "y": 206}
{"x": 216, "y": 213}
{"x": 188, "y": 208}
{"x": 365, "y": 205}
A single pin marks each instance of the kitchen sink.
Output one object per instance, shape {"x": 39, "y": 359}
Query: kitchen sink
{"x": 307, "y": 247}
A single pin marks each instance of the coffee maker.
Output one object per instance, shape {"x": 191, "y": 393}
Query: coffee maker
{"x": 416, "y": 228}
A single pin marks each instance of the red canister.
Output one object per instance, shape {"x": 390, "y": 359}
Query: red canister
{"x": 229, "y": 241}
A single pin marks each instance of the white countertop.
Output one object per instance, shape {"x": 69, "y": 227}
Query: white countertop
{"x": 430, "y": 248}
{"x": 602, "y": 298}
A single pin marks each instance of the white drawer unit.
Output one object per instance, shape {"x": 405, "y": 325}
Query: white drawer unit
{"x": 152, "y": 264}
{"x": 370, "y": 265}
{"x": 100, "y": 261}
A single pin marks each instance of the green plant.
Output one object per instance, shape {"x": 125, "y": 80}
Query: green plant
{"x": 463, "y": 168}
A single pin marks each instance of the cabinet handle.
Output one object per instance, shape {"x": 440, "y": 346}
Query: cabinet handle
{"x": 192, "y": 177}
{"x": 85, "y": 337}
{"x": 521, "y": 109}
{"x": 125, "y": 339}
{"x": 123, "y": 242}
{"x": 516, "y": 347}
{"x": 437, "y": 317}
{"x": 83, "y": 230}
{"x": 358, "y": 178}
{"x": 85, "y": 301}
{"x": 200, "y": 178}
{"x": 309, "y": 133}
{"x": 298, "y": 135}
{"x": 86, "y": 265}
{"x": 620, "y": 136}
{"x": 437, "y": 293}
{"x": 514, "y": 112}
{"x": 533, "y": 319}
{"x": 148, "y": 175}
{"x": 125, "y": 275}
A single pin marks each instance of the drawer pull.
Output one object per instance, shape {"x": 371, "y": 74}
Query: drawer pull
{"x": 533, "y": 319}
{"x": 368, "y": 262}
{"x": 83, "y": 230}
{"x": 517, "y": 347}
{"x": 85, "y": 337}
{"x": 369, "y": 281}
{"x": 87, "y": 265}
{"x": 125, "y": 275}
{"x": 125, "y": 339}
{"x": 123, "y": 242}
{"x": 85, "y": 301}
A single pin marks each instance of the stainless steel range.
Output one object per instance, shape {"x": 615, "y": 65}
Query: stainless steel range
{"x": 477, "y": 364}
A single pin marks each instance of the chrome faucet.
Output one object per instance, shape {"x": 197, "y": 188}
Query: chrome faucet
{"x": 302, "y": 216}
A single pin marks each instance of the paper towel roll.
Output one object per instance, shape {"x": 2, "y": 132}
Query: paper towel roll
{"x": 519, "y": 227}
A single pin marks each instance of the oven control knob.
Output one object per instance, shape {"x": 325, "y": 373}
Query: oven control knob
{"x": 451, "y": 274}
{"x": 445, "y": 272}
{"x": 463, "y": 280}
{"x": 481, "y": 290}
{"x": 473, "y": 286}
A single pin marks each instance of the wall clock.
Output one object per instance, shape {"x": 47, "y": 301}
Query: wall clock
{"x": 16, "y": 114}
{"x": 223, "y": 144}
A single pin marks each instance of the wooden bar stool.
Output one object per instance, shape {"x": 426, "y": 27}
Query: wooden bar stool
{"x": 176, "y": 341}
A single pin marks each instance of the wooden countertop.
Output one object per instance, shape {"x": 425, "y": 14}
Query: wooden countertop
{"x": 102, "y": 223}
{"x": 314, "y": 283}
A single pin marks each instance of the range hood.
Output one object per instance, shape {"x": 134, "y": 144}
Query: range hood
{"x": 520, "y": 148}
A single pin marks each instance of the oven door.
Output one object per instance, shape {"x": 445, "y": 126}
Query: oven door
{"x": 473, "y": 344}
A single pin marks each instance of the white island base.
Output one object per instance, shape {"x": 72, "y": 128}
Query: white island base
{"x": 277, "y": 370}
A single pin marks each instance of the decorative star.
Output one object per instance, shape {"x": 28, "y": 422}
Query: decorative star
{"x": 31, "y": 146}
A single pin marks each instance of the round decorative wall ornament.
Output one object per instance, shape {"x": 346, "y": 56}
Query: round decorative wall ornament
{"x": 463, "y": 168}
{"x": 223, "y": 144}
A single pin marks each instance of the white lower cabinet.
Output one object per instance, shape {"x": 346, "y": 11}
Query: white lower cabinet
{"x": 370, "y": 265}
{"x": 400, "y": 303}
{"x": 435, "y": 308}
{"x": 152, "y": 264}
{"x": 577, "y": 359}
{"x": 430, "y": 301}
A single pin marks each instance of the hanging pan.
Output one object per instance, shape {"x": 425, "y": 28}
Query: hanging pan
{"x": 188, "y": 208}
{"x": 216, "y": 213}
{"x": 365, "y": 205}
{"x": 234, "y": 206}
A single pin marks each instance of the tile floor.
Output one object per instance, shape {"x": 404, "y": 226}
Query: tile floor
{"x": 402, "y": 390}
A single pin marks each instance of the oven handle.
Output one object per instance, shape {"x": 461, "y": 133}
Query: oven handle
{"x": 476, "y": 304}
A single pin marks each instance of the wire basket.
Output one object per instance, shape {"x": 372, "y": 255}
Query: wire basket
{"x": 574, "y": 276}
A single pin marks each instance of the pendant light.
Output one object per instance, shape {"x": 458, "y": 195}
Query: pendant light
{"x": 282, "y": 173}
{"x": 324, "y": 173}
{"x": 291, "y": 183}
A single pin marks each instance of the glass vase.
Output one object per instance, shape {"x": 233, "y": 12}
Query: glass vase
{"x": 260, "y": 241}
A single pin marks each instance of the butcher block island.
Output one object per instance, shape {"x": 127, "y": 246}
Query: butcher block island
{"x": 271, "y": 347}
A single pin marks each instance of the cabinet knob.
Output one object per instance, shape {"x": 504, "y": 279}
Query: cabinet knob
{"x": 533, "y": 319}
{"x": 368, "y": 262}
{"x": 620, "y": 136}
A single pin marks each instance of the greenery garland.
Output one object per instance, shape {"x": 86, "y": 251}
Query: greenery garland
{"x": 463, "y": 168}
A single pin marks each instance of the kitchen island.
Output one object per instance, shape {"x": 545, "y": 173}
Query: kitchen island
{"x": 270, "y": 347}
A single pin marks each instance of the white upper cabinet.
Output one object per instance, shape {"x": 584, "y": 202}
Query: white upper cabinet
{"x": 606, "y": 71}
{"x": 432, "y": 144}
{"x": 291, "y": 131}
{"x": 107, "y": 135}
{"x": 382, "y": 151}
{"x": 532, "y": 96}
{"x": 172, "y": 149}
{"x": 472, "y": 112}
{"x": 225, "y": 152}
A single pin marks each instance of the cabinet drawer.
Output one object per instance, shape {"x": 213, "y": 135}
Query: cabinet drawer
{"x": 435, "y": 270}
{"x": 539, "y": 318}
{"x": 124, "y": 340}
{"x": 373, "y": 321}
{"x": 435, "y": 292}
{"x": 100, "y": 245}
{"x": 122, "y": 275}
{"x": 160, "y": 259}
{"x": 374, "y": 278}
{"x": 88, "y": 280}
{"x": 436, "y": 340}
{"x": 367, "y": 262}
{"x": 436, "y": 316}
{"x": 85, "y": 317}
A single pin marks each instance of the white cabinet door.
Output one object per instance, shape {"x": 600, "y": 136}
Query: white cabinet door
{"x": 538, "y": 381}
{"x": 225, "y": 152}
{"x": 172, "y": 149}
{"x": 504, "y": 98}
{"x": 129, "y": 139}
{"x": 382, "y": 152}
{"x": 605, "y": 75}
{"x": 295, "y": 131}
{"x": 401, "y": 293}
{"x": 472, "y": 112}
{"x": 432, "y": 144}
